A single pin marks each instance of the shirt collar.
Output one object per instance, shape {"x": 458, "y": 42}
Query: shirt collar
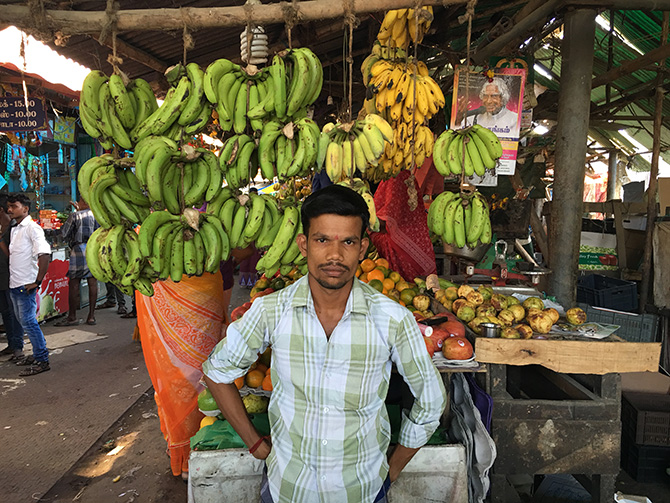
{"x": 356, "y": 302}
{"x": 26, "y": 220}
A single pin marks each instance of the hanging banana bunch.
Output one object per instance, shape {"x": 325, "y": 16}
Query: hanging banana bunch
{"x": 282, "y": 249}
{"x": 113, "y": 255}
{"x": 400, "y": 26}
{"x": 363, "y": 189}
{"x": 176, "y": 178}
{"x": 471, "y": 150}
{"x": 185, "y": 111}
{"x": 460, "y": 220}
{"x": 112, "y": 191}
{"x": 346, "y": 147}
{"x": 288, "y": 150}
{"x": 284, "y": 89}
{"x": 111, "y": 109}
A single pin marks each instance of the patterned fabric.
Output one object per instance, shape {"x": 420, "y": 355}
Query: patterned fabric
{"x": 406, "y": 243}
{"x": 78, "y": 267}
{"x": 179, "y": 327}
{"x": 330, "y": 429}
{"x": 79, "y": 227}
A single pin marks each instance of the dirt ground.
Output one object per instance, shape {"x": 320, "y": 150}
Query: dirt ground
{"x": 140, "y": 471}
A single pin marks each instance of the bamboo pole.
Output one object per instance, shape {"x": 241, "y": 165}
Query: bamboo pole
{"x": 80, "y": 22}
{"x": 653, "y": 176}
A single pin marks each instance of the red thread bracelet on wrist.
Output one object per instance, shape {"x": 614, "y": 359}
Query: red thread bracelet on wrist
{"x": 255, "y": 447}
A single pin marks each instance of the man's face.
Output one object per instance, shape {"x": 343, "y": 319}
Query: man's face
{"x": 492, "y": 99}
{"x": 17, "y": 210}
{"x": 333, "y": 249}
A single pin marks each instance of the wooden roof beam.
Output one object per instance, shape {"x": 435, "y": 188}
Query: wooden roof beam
{"x": 627, "y": 67}
{"x": 137, "y": 55}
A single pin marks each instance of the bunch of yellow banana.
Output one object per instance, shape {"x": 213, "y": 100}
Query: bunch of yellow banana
{"x": 395, "y": 96}
{"x": 284, "y": 89}
{"x": 112, "y": 109}
{"x": 176, "y": 178}
{"x": 460, "y": 221}
{"x": 346, "y": 147}
{"x": 363, "y": 189}
{"x": 113, "y": 255}
{"x": 398, "y": 153}
{"x": 287, "y": 150}
{"x": 471, "y": 150}
{"x": 185, "y": 110}
{"x": 112, "y": 191}
{"x": 401, "y": 26}
{"x": 282, "y": 249}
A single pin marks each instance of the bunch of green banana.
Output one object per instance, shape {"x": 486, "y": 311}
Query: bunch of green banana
{"x": 297, "y": 76}
{"x": 363, "y": 189}
{"x": 191, "y": 244}
{"x": 112, "y": 191}
{"x": 112, "y": 111}
{"x": 283, "y": 251}
{"x": 470, "y": 150}
{"x": 248, "y": 218}
{"x": 288, "y": 150}
{"x": 113, "y": 255}
{"x": 357, "y": 145}
{"x": 238, "y": 160}
{"x": 176, "y": 178}
{"x": 460, "y": 221}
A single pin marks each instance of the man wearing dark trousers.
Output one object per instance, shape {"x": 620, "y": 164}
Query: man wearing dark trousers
{"x": 13, "y": 328}
{"x": 29, "y": 257}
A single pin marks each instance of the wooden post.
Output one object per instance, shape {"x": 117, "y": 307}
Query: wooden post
{"x": 653, "y": 176}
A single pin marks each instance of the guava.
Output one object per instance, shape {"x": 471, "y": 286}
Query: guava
{"x": 576, "y": 316}
{"x": 499, "y": 301}
{"x": 255, "y": 404}
{"x": 533, "y": 302}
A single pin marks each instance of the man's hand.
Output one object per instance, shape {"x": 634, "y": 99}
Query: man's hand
{"x": 30, "y": 286}
{"x": 399, "y": 458}
{"x": 263, "y": 450}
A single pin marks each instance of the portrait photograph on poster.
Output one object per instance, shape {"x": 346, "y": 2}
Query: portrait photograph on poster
{"x": 494, "y": 100}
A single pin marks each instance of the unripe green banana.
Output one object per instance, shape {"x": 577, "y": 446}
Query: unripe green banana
{"x": 177, "y": 257}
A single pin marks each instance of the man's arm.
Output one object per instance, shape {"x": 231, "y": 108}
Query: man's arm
{"x": 228, "y": 398}
{"x": 42, "y": 264}
{"x": 399, "y": 458}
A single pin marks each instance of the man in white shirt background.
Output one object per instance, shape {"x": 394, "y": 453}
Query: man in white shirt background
{"x": 29, "y": 257}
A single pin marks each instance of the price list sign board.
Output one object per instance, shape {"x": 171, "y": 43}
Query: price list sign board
{"x": 14, "y": 116}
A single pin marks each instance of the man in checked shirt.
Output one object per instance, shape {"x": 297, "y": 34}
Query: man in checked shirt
{"x": 334, "y": 340}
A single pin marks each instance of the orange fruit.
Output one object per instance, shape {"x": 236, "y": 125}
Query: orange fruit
{"x": 368, "y": 265}
{"x": 401, "y": 285}
{"x": 385, "y": 292}
{"x": 255, "y": 378}
{"x": 395, "y": 276}
{"x": 402, "y": 303}
{"x": 262, "y": 367}
{"x": 267, "y": 372}
{"x": 376, "y": 284}
{"x": 376, "y": 274}
{"x": 359, "y": 271}
{"x": 388, "y": 283}
{"x": 364, "y": 277}
{"x": 382, "y": 262}
{"x": 267, "y": 383}
{"x": 239, "y": 382}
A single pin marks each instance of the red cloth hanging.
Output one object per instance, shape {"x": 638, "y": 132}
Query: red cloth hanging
{"x": 405, "y": 243}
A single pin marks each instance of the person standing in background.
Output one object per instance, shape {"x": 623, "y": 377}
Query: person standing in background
{"x": 13, "y": 328}
{"x": 114, "y": 297}
{"x": 76, "y": 231}
{"x": 29, "y": 257}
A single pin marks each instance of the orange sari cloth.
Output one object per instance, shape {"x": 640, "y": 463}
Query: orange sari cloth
{"x": 179, "y": 327}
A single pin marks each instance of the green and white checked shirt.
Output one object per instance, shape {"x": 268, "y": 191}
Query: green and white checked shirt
{"x": 330, "y": 429}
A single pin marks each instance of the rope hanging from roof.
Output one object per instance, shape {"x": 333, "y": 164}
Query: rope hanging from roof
{"x": 465, "y": 187}
{"x": 291, "y": 18}
{"x": 187, "y": 39}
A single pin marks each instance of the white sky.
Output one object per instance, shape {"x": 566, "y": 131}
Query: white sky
{"x": 41, "y": 59}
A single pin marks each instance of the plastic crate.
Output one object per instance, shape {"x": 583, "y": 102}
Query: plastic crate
{"x": 645, "y": 463}
{"x": 645, "y": 417}
{"x": 602, "y": 291}
{"x": 634, "y": 327}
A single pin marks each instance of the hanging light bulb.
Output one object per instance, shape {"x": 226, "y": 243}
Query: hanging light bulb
{"x": 257, "y": 51}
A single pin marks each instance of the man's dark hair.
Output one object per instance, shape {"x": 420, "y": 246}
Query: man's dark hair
{"x": 334, "y": 199}
{"x": 3, "y": 202}
{"x": 20, "y": 198}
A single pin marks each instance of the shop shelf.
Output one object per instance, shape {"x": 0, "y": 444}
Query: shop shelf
{"x": 601, "y": 291}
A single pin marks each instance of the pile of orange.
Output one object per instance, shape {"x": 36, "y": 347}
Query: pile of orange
{"x": 258, "y": 375}
{"x": 378, "y": 275}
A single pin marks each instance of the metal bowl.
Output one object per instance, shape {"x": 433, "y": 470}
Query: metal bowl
{"x": 473, "y": 254}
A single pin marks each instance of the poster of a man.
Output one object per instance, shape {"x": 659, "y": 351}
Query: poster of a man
{"x": 493, "y": 100}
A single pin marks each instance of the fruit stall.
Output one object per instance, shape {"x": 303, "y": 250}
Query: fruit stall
{"x": 533, "y": 378}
